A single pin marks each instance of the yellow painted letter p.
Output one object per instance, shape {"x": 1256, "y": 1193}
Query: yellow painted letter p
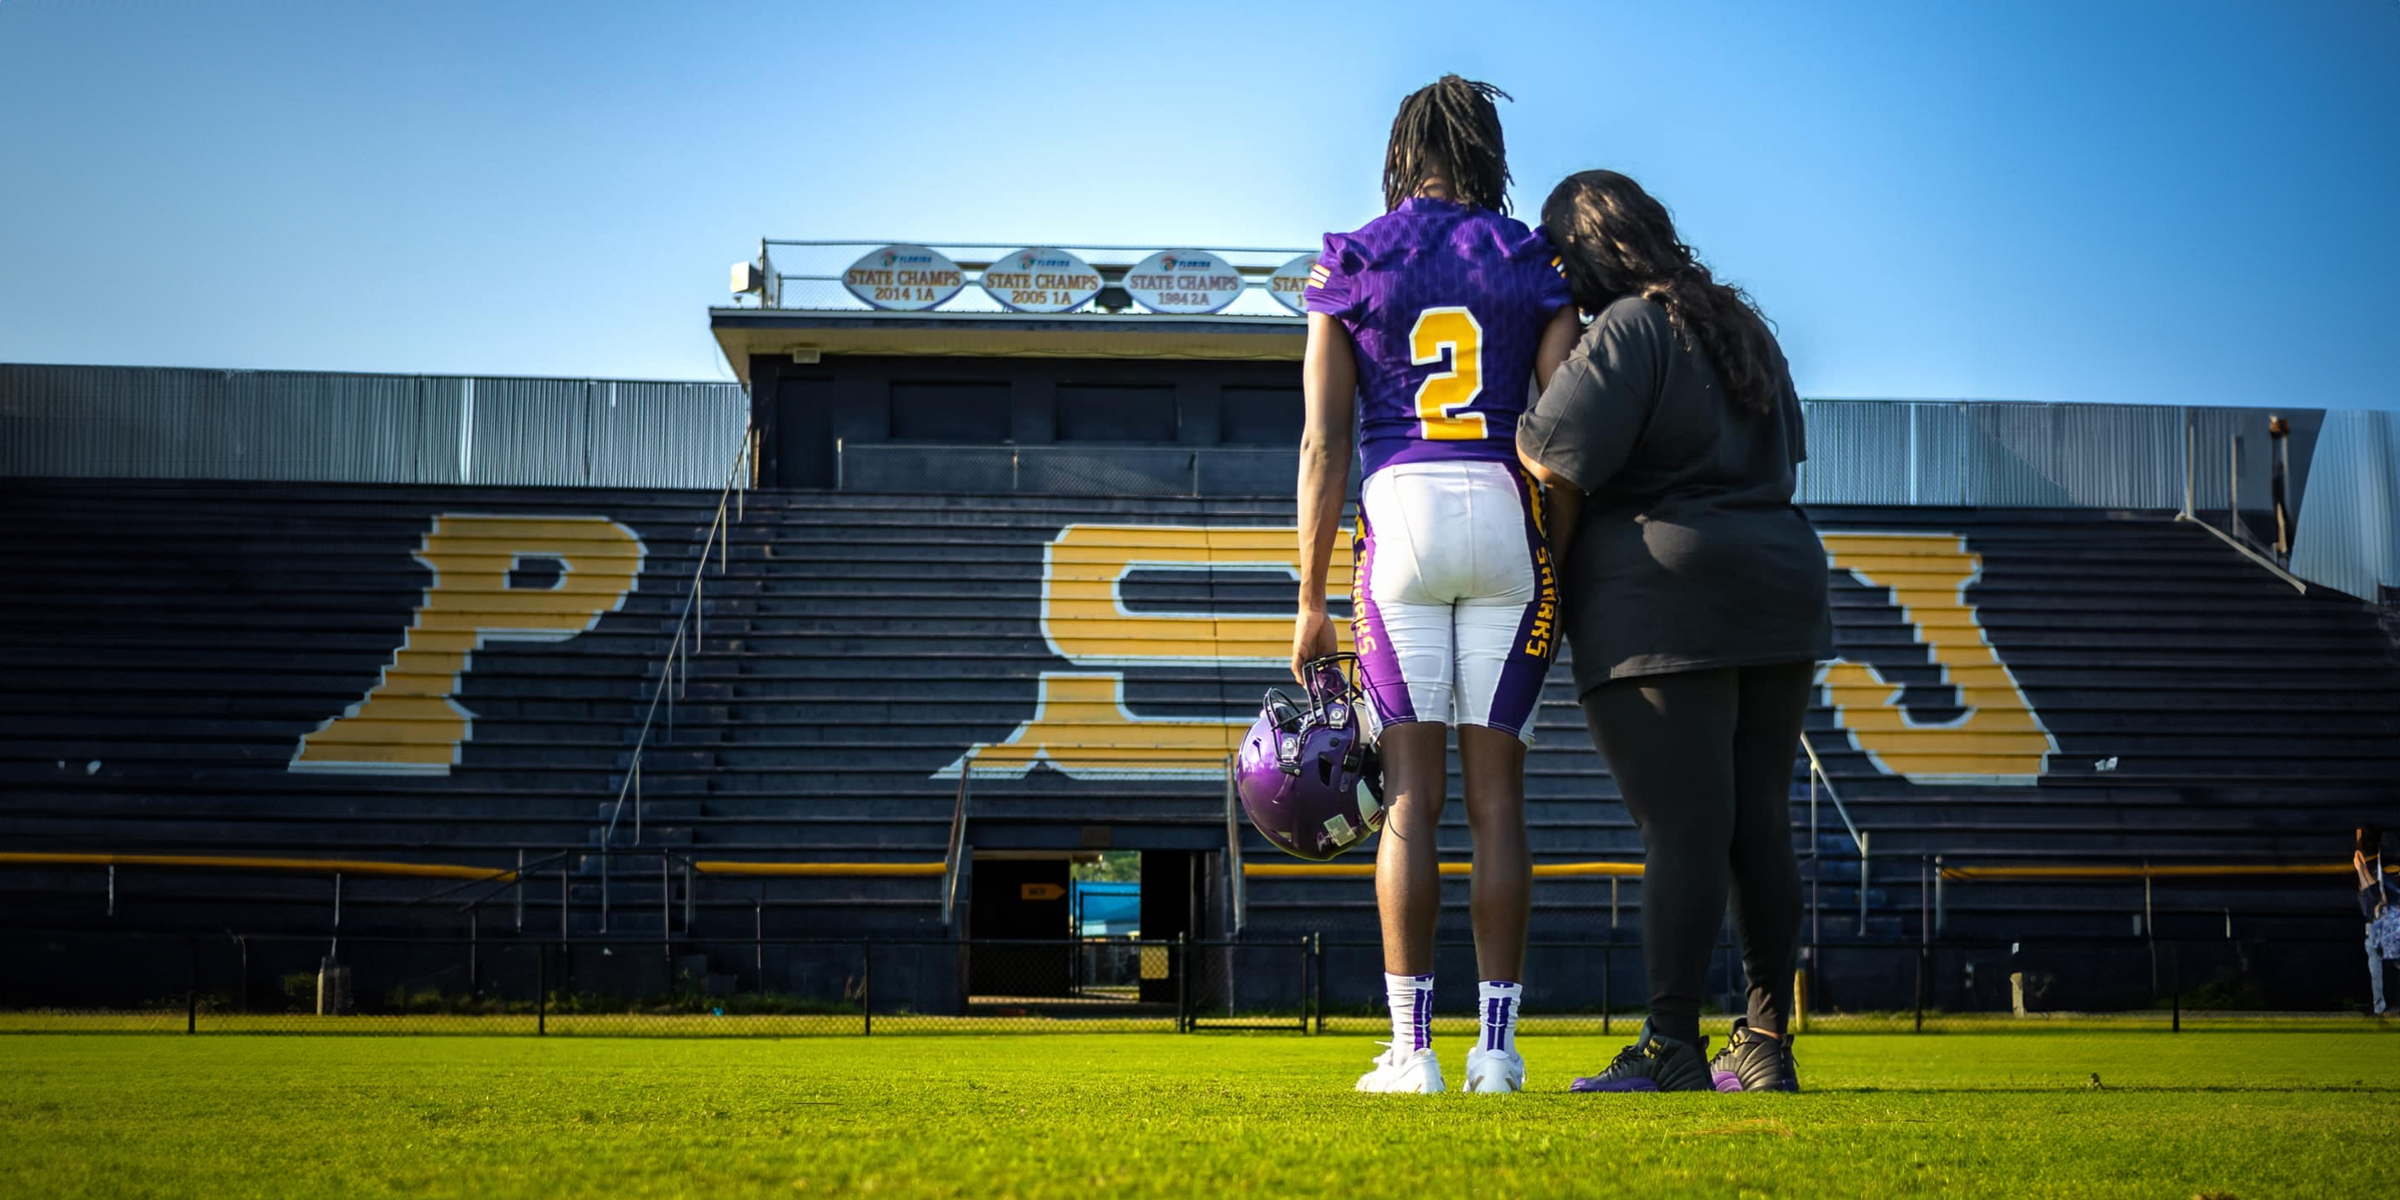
{"x": 410, "y": 721}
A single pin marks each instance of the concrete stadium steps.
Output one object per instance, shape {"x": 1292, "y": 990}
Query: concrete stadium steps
{"x": 184, "y": 637}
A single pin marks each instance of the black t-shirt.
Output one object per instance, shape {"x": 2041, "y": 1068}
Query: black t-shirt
{"x": 1691, "y": 554}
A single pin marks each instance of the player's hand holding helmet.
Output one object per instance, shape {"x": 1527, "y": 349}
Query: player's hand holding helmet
{"x": 1308, "y": 777}
{"x": 1312, "y": 639}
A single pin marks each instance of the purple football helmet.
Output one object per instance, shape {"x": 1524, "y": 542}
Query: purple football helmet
{"x": 1309, "y": 778}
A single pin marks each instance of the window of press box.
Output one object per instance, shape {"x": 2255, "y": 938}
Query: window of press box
{"x": 1261, "y": 416}
{"x": 1116, "y": 412}
{"x": 950, "y": 412}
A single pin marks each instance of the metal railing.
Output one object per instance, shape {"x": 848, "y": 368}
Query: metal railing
{"x": 819, "y": 287}
{"x": 1064, "y": 469}
{"x": 468, "y": 892}
{"x": 690, "y": 622}
{"x": 2236, "y": 532}
{"x": 1818, "y": 780}
{"x": 954, "y": 856}
{"x": 241, "y": 982}
{"x": 1236, "y": 887}
{"x": 1996, "y": 454}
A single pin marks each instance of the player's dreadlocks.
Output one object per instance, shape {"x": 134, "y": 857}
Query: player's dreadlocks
{"x": 1448, "y": 129}
{"x": 1614, "y": 240}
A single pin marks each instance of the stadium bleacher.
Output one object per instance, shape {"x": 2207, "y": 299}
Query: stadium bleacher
{"x": 303, "y": 653}
{"x": 2123, "y": 689}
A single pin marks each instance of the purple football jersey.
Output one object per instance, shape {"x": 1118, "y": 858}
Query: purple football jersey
{"x": 1446, "y": 305}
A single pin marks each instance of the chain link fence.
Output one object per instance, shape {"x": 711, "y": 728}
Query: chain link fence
{"x": 285, "y": 983}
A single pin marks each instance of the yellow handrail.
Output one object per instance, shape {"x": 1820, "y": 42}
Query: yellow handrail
{"x": 366, "y": 867}
{"x": 852, "y": 869}
{"x": 2173, "y": 871}
{"x": 248, "y": 862}
{"x": 1265, "y": 870}
{"x": 1304, "y": 870}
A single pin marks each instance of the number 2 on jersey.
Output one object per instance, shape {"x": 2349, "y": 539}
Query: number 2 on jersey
{"x": 1443, "y": 397}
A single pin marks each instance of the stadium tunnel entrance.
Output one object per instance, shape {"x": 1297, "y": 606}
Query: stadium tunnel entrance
{"x": 1086, "y": 927}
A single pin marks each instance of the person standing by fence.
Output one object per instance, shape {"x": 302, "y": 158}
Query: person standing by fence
{"x": 2375, "y": 895}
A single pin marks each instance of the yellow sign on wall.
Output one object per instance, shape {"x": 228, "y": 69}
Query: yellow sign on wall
{"x": 410, "y": 721}
{"x": 1086, "y": 622}
{"x": 1999, "y": 739}
{"x": 1082, "y": 727}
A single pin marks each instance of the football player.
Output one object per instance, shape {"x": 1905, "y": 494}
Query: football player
{"x": 1425, "y": 328}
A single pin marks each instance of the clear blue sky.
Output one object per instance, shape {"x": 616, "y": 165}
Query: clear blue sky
{"x": 2154, "y": 202}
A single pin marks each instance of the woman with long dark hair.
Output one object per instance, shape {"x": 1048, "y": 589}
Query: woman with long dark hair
{"x": 1695, "y": 603}
{"x": 1425, "y": 328}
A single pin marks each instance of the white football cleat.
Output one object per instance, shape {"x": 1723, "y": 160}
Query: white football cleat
{"x": 1495, "y": 1071}
{"x": 1415, "y": 1072}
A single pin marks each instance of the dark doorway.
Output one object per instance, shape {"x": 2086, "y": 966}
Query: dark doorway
{"x": 1020, "y": 899}
{"x": 1171, "y": 908}
{"x": 802, "y": 453}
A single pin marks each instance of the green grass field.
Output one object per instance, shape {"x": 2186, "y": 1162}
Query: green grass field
{"x": 2241, "y": 1114}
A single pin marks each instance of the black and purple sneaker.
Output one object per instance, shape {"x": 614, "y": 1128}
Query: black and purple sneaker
{"x": 1656, "y": 1063}
{"x": 1754, "y": 1062}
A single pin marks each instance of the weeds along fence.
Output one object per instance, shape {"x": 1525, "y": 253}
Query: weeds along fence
{"x": 113, "y": 981}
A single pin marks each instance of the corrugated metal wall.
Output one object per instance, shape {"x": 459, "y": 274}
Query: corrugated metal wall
{"x": 164, "y": 423}
{"x": 2349, "y": 536}
{"x": 2004, "y": 454}
{"x": 156, "y": 423}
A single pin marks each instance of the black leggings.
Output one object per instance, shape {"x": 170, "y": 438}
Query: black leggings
{"x": 1704, "y": 760}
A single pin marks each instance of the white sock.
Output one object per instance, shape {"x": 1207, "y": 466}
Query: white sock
{"x": 1411, "y": 998}
{"x": 1498, "y": 1001}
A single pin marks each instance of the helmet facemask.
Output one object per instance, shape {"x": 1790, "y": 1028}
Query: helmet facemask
{"x": 1308, "y": 774}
